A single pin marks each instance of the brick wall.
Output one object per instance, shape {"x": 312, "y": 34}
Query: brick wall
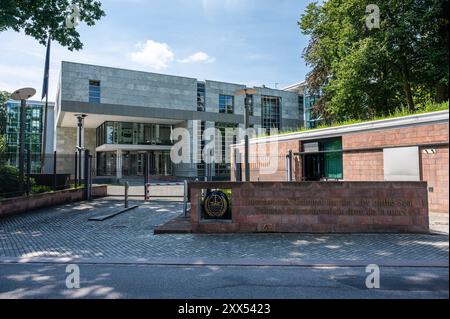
{"x": 404, "y": 136}
{"x": 317, "y": 207}
{"x": 24, "y": 204}
{"x": 363, "y": 166}
{"x": 367, "y": 165}
{"x": 435, "y": 172}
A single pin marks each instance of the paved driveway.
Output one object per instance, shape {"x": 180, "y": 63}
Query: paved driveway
{"x": 66, "y": 232}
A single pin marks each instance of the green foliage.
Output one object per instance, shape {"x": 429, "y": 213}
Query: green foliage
{"x": 39, "y": 189}
{"x": 2, "y": 149}
{"x": 403, "y": 111}
{"x": 10, "y": 180}
{"x": 424, "y": 108}
{"x": 9, "y": 176}
{"x": 365, "y": 73}
{"x": 4, "y": 96}
{"x": 40, "y": 18}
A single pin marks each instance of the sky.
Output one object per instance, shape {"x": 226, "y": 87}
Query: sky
{"x": 251, "y": 42}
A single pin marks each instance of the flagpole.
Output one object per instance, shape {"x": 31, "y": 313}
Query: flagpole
{"x": 44, "y": 124}
{"x": 44, "y": 135}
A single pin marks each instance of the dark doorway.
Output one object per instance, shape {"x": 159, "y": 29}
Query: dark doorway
{"x": 313, "y": 167}
{"x": 322, "y": 160}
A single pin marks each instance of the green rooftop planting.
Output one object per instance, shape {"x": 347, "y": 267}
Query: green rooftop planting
{"x": 426, "y": 108}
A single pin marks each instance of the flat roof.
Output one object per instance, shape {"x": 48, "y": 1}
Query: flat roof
{"x": 32, "y": 102}
{"x": 416, "y": 119}
{"x": 163, "y": 74}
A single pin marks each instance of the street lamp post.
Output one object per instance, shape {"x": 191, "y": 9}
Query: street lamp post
{"x": 22, "y": 95}
{"x": 247, "y": 102}
{"x": 80, "y": 118}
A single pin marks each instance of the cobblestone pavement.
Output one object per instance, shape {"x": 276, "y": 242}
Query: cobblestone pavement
{"x": 66, "y": 232}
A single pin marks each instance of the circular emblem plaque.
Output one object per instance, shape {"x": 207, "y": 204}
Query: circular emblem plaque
{"x": 216, "y": 204}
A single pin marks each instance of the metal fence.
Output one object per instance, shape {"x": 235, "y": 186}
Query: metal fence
{"x": 51, "y": 172}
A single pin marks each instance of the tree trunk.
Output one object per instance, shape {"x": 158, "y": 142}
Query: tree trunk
{"x": 408, "y": 94}
{"x": 407, "y": 85}
{"x": 441, "y": 93}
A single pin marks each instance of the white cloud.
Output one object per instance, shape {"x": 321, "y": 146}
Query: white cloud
{"x": 153, "y": 54}
{"x": 198, "y": 57}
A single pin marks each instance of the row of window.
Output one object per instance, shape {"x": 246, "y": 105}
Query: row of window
{"x": 134, "y": 134}
{"x": 226, "y": 102}
{"x": 33, "y": 132}
{"x": 271, "y": 105}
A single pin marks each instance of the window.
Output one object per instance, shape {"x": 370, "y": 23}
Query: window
{"x": 301, "y": 107}
{"x": 94, "y": 91}
{"x": 226, "y": 104}
{"x": 249, "y": 100}
{"x": 322, "y": 160}
{"x": 271, "y": 106}
{"x": 201, "y": 96}
{"x": 201, "y": 169}
{"x": 312, "y": 120}
{"x": 134, "y": 134}
{"x": 223, "y": 169}
{"x": 33, "y": 133}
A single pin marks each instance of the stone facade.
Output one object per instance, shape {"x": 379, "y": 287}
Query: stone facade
{"x": 66, "y": 143}
{"x": 317, "y": 207}
{"x": 143, "y": 97}
{"x": 126, "y": 87}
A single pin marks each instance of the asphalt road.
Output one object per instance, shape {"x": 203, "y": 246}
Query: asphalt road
{"x": 223, "y": 282}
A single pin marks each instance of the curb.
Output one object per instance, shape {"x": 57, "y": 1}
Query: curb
{"x": 225, "y": 262}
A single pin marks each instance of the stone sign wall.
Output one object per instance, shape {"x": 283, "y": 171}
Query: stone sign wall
{"x": 317, "y": 207}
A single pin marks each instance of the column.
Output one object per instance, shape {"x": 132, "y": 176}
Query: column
{"x": 157, "y": 158}
{"x": 119, "y": 164}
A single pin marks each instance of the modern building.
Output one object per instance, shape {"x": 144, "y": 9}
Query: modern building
{"x": 409, "y": 148}
{"x": 130, "y": 114}
{"x": 34, "y": 129}
{"x": 306, "y": 104}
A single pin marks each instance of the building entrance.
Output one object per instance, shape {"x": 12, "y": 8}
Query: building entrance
{"x": 159, "y": 163}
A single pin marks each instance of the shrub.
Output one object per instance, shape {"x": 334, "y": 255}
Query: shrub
{"x": 39, "y": 189}
{"x": 9, "y": 177}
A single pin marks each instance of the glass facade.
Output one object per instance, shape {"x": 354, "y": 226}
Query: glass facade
{"x": 33, "y": 133}
{"x": 301, "y": 106}
{"x": 222, "y": 170}
{"x": 94, "y": 91}
{"x": 333, "y": 164}
{"x": 201, "y": 97}
{"x": 311, "y": 120}
{"x": 133, "y": 163}
{"x": 226, "y": 104}
{"x": 201, "y": 167}
{"x": 134, "y": 134}
{"x": 271, "y": 112}
{"x": 324, "y": 164}
{"x": 249, "y": 98}
{"x": 106, "y": 163}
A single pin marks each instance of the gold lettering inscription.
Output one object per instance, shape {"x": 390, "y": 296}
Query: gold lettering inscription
{"x": 350, "y": 207}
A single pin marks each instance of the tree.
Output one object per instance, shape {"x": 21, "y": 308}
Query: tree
{"x": 4, "y": 96}
{"x": 365, "y": 72}
{"x": 41, "y": 18}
